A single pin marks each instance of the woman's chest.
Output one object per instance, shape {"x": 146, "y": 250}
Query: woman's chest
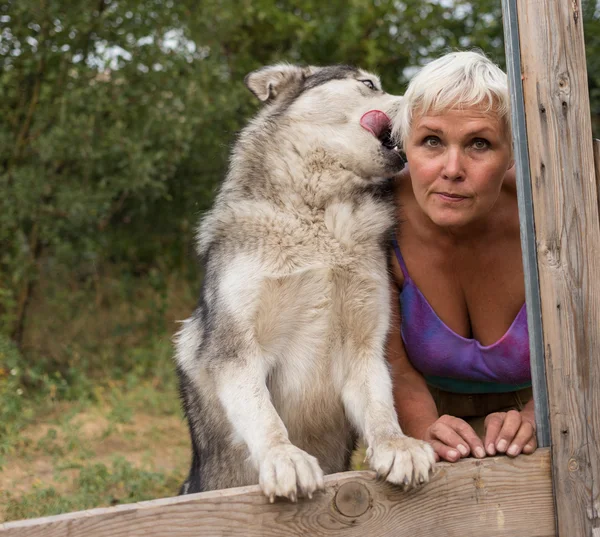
{"x": 476, "y": 292}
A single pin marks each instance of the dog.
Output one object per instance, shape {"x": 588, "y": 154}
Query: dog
{"x": 281, "y": 366}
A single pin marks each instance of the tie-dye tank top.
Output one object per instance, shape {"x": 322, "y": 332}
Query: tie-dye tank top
{"x": 453, "y": 363}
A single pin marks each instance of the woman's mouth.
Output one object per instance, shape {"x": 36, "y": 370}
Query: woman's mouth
{"x": 448, "y": 196}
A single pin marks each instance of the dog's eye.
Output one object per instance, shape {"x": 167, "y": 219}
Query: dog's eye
{"x": 369, "y": 84}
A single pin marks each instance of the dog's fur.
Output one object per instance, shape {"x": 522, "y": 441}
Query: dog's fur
{"x": 282, "y": 363}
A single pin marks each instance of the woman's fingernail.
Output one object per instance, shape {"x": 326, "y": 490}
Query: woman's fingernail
{"x": 501, "y": 447}
{"x": 464, "y": 451}
{"x": 479, "y": 452}
{"x": 453, "y": 454}
{"x": 491, "y": 449}
{"x": 513, "y": 450}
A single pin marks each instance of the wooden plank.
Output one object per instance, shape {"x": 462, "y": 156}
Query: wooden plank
{"x": 565, "y": 203}
{"x": 492, "y": 497}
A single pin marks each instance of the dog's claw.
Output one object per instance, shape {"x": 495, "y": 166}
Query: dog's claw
{"x": 272, "y": 498}
{"x": 293, "y": 497}
{"x": 310, "y": 495}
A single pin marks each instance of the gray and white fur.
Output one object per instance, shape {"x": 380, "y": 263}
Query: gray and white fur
{"x": 282, "y": 366}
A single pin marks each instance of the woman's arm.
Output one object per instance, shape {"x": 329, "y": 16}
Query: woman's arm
{"x": 450, "y": 437}
{"x": 414, "y": 404}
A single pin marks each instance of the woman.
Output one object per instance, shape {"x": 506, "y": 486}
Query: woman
{"x": 459, "y": 347}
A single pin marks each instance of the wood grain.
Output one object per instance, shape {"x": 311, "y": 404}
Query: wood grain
{"x": 493, "y": 497}
{"x": 567, "y": 228}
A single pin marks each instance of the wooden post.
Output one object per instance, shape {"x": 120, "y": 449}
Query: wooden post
{"x": 567, "y": 229}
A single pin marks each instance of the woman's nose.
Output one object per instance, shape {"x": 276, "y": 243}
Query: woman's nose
{"x": 453, "y": 165}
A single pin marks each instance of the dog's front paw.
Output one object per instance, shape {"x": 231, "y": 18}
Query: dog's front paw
{"x": 402, "y": 460}
{"x": 285, "y": 469}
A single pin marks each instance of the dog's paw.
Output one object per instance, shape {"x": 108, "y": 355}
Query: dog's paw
{"x": 402, "y": 460}
{"x": 286, "y": 469}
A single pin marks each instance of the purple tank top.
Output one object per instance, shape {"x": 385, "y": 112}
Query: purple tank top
{"x": 437, "y": 351}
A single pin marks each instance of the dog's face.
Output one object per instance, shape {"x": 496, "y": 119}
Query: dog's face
{"x": 339, "y": 110}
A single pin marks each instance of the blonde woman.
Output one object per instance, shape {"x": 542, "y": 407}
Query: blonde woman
{"x": 458, "y": 345}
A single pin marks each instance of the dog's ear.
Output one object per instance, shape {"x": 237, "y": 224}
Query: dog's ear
{"x": 269, "y": 82}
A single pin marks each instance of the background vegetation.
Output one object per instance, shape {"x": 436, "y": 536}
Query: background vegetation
{"x": 116, "y": 119}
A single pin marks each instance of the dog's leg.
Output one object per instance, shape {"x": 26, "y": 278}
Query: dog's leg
{"x": 283, "y": 468}
{"x": 367, "y": 396}
{"x": 247, "y": 317}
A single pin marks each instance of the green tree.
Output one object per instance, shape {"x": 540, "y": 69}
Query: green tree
{"x": 117, "y": 115}
{"x": 591, "y": 28}
{"x": 95, "y": 122}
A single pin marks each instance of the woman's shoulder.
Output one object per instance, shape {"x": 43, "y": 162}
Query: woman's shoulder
{"x": 510, "y": 178}
{"x": 397, "y": 275}
{"x": 510, "y": 205}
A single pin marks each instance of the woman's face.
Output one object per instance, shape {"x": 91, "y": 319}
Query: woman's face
{"x": 457, "y": 164}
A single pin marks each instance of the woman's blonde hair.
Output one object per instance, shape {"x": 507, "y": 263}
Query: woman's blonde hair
{"x": 456, "y": 80}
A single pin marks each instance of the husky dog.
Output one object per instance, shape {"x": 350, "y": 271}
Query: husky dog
{"x": 282, "y": 364}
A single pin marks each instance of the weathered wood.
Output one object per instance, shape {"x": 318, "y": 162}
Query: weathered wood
{"x": 565, "y": 203}
{"x": 492, "y": 497}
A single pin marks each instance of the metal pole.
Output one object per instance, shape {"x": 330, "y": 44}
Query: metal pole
{"x": 527, "y": 224}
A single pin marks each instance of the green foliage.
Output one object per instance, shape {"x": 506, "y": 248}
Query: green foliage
{"x": 12, "y": 411}
{"x": 591, "y": 29}
{"x": 92, "y": 147}
{"x": 116, "y": 120}
{"x": 115, "y": 125}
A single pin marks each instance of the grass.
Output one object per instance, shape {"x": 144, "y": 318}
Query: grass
{"x": 96, "y": 485}
{"x": 89, "y": 412}
{"x": 130, "y": 444}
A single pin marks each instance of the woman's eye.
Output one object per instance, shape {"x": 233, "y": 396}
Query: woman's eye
{"x": 480, "y": 143}
{"x": 369, "y": 84}
{"x": 431, "y": 141}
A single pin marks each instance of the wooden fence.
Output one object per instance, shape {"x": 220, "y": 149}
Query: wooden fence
{"x": 492, "y": 497}
{"x": 554, "y": 492}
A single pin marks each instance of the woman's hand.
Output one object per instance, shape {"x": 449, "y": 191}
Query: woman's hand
{"x": 453, "y": 438}
{"x": 511, "y": 432}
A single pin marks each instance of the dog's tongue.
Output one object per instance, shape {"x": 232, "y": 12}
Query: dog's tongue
{"x": 376, "y": 122}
